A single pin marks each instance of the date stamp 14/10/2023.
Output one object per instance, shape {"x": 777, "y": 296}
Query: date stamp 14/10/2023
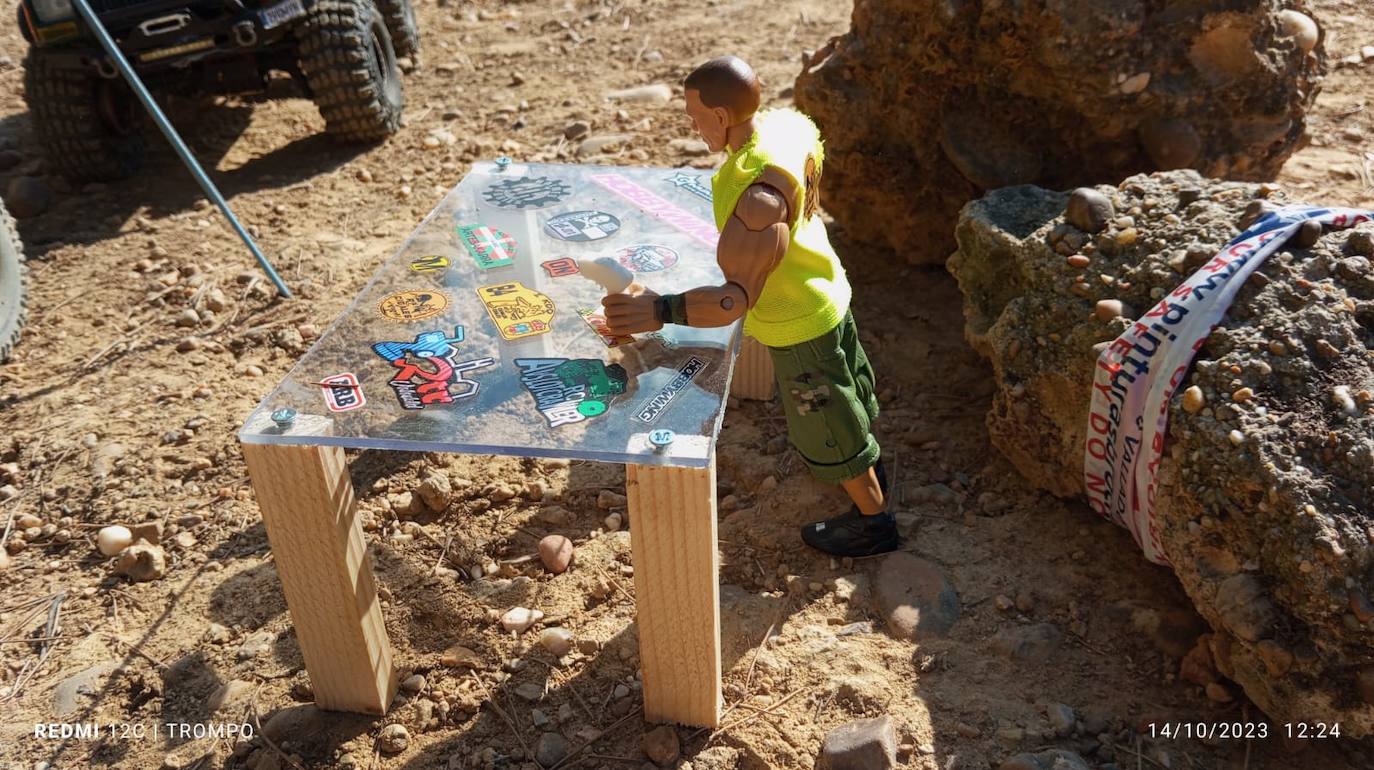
{"x": 124, "y": 731}
{"x": 1223, "y": 731}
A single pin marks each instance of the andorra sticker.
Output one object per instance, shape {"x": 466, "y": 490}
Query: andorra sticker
{"x": 527, "y": 192}
{"x": 517, "y": 310}
{"x": 651, "y": 409}
{"x": 598, "y": 324}
{"x": 487, "y": 245}
{"x": 646, "y": 258}
{"x": 561, "y": 267}
{"x": 342, "y": 392}
{"x": 691, "y": 183}
{"x": 427, "y": 369}
{"x": 430, "y": 263}
{"x": 582, "y": 226}
{"x": 408, "y": 306}
{"x": 568, "y": 391}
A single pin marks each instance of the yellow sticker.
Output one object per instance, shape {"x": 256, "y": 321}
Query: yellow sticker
{"x": 430, "y": 263}
{"x": 407, "y": 306}
{"x": 517, "y": 311}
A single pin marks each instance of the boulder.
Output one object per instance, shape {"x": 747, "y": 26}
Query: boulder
{"x": 1266, "y": 483}
{"x": 926, "y": 105}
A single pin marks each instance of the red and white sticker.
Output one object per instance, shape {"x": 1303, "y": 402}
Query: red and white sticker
{"x": 343, "y": 392}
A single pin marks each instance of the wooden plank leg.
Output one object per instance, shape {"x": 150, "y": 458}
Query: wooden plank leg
{"x": 673, "y": 541}
{"x": 307, "y": 504}
{"x": 754, "y": 379}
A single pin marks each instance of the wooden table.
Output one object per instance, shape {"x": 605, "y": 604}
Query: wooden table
{"x": 453, "y": 346}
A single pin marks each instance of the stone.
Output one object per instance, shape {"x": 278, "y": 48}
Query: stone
{"x": 1054, "y": 759}
{"x": 550, "y": 749}
{"x": 601, "y": 143}
{"x": 1300, "y": 27}
{"x": 519, "y": 619}
{"x": 607, "y": 500}
{"x": 1029, "y": 644}
{"x": 393, "y": 739}
{"x": 1061, "y": 719}
{"x": 576, "y": 130}
{"x": 112, "y": 540}
{"x": 692, "y": 148}
{"x": 435, "y": 491}
{"x": 27, "y": 196}
{"x": 661, "y": 745}
{"x": 1254, "y": 503}
{"x": 66, "y": 696}
{"x": 654, "y": 95}
{"x": 1089, "y": 210}
{"x": 1108, "y": 309}
{"x": 458, "y": 656}
{"x": 915, "y": 598}
{"x": 864, "y": 744}
{"x": 232, "y": 694}
{"x": 556, "y": 552}
{"x": 141, "y": 562}
{"x": 413, "y": 684}
{"x": 558, "y": 641}
{"x": 148, "y": 530}
{"x": 529, "y": 691}
{"x": 1307, "y": 235}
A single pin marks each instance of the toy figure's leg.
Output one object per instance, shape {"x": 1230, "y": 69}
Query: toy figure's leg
{"x": 754, "y": 378}
{"x": 317, "y": 543}
{"x": 673, "y": 541}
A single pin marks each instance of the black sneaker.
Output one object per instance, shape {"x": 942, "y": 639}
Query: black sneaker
{"x": 853, "y": 534}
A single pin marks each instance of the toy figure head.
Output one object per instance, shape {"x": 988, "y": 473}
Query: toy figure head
{"x": 721, "y": 94}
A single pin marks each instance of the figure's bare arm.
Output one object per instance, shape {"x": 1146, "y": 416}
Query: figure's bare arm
{"x": 751, "y": 245}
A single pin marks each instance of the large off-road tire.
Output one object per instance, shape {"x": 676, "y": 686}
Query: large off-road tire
{"x": 12, "y": 309}
{"x": 404, "y": 29}
{"x": 90, "y": 128}
{"x": 350, "y": 66}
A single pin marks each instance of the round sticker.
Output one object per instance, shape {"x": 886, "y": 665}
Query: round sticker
{"x": 591, "y": 408}
{"x": 646, "y": 258}
{"x": 406, "y": 306}
{"x": 527, "y": 192}
{"x": 582, "y": 226}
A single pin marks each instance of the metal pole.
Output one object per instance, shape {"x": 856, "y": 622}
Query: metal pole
{"x": 168, "y": 131}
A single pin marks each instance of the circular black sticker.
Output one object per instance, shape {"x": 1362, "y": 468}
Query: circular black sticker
{"x": 527, "y": 192}
{"x": 582, "y": 226}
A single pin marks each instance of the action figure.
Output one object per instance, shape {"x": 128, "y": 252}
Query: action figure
{"x": 783, "y": 276}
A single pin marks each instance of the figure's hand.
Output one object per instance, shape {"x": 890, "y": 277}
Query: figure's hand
{"x": 631, "y": 312}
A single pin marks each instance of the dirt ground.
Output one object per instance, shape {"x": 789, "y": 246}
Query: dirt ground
{"x": 110, "y": 415}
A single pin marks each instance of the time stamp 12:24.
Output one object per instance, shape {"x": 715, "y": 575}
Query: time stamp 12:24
{"x": 1221, "y": 731}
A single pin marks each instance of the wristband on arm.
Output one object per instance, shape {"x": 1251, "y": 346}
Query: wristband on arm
{"x": 671, "y": 309}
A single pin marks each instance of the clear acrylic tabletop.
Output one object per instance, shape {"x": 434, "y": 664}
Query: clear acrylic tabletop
{"x": 480, "y": 334}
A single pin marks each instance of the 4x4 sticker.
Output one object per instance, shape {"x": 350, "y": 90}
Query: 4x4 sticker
{"x": 427, "y": 370}
{"x": 651, "y": 409}
{"x": 489, "y": 246}
{"x": 582, "y": 226}
{"x": 407, "y": 306}
{"x": 430, "y": 263}
{"x": 561, "y": 267}
{"x": 691, "y": 183}
{"x": 598, "y": 324}
{"x": 647, "y": 258}
{"x": 342, "y": 392}
{"x": 531, "y": 192}
{"x": 517, "y": 310}
{"x": 568, "y": 391}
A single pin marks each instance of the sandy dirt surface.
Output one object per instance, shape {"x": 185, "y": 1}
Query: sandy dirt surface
{"x": 121, "y": 407}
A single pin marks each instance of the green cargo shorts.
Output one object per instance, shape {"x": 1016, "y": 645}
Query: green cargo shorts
{"x": 826, "y": 385}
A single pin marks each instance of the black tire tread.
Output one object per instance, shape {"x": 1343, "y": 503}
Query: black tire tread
{"x": 400, "y": 22}
{"x": 75, "y": 140}
{"x": 13, "y": 323}
{"x": 334, "y": 51}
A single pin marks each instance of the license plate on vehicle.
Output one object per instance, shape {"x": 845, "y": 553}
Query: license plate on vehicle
{"x": 281, "y": 13}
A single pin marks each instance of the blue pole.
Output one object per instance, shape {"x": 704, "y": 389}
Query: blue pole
{"x": 135, "y": 83}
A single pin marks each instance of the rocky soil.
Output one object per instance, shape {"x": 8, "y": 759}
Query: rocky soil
{"x": 1265, "y": 492}
{"x": 152, "y": 337}
{"x": 925, "y": 105}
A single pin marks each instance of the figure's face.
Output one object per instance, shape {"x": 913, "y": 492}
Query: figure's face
{"x": 712, "y": 123}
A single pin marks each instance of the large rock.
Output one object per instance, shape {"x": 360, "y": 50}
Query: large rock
{"x": 924, "y": 104}
{"x": 1266, "y": 484}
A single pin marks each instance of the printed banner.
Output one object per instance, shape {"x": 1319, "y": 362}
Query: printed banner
{"x": 1138, "y": 373}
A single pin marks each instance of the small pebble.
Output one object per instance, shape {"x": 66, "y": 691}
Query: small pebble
{"x": 612, "y": 522}
{"x": 1193, "y": 400}
{"x": 113, "y": 539}
{"x": 556, "y": 552}
{"x": 1077, "y": 261}
{"x": 558, "y": 641}
{"x": 1108, "y": 309}
{"x": 1242, "y": 395}
{"x": 413, "y": 683}
{"x": 393, "y": 739}
{"x": 519, "y": 619}
{"x": 1089, "y": 210}
{"x": 1236, "y": 437}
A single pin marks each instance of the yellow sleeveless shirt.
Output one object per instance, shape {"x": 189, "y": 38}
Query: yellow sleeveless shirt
{"x": 807, "y": 294}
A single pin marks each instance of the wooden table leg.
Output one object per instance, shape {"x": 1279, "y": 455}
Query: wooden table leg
{"x": 673, "y": 540}
{"x": 317, "y": 543}
{"x": 754, "y": 378}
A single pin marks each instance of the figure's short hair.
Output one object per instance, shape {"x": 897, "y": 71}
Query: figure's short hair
{"x": 729, "y": 82}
